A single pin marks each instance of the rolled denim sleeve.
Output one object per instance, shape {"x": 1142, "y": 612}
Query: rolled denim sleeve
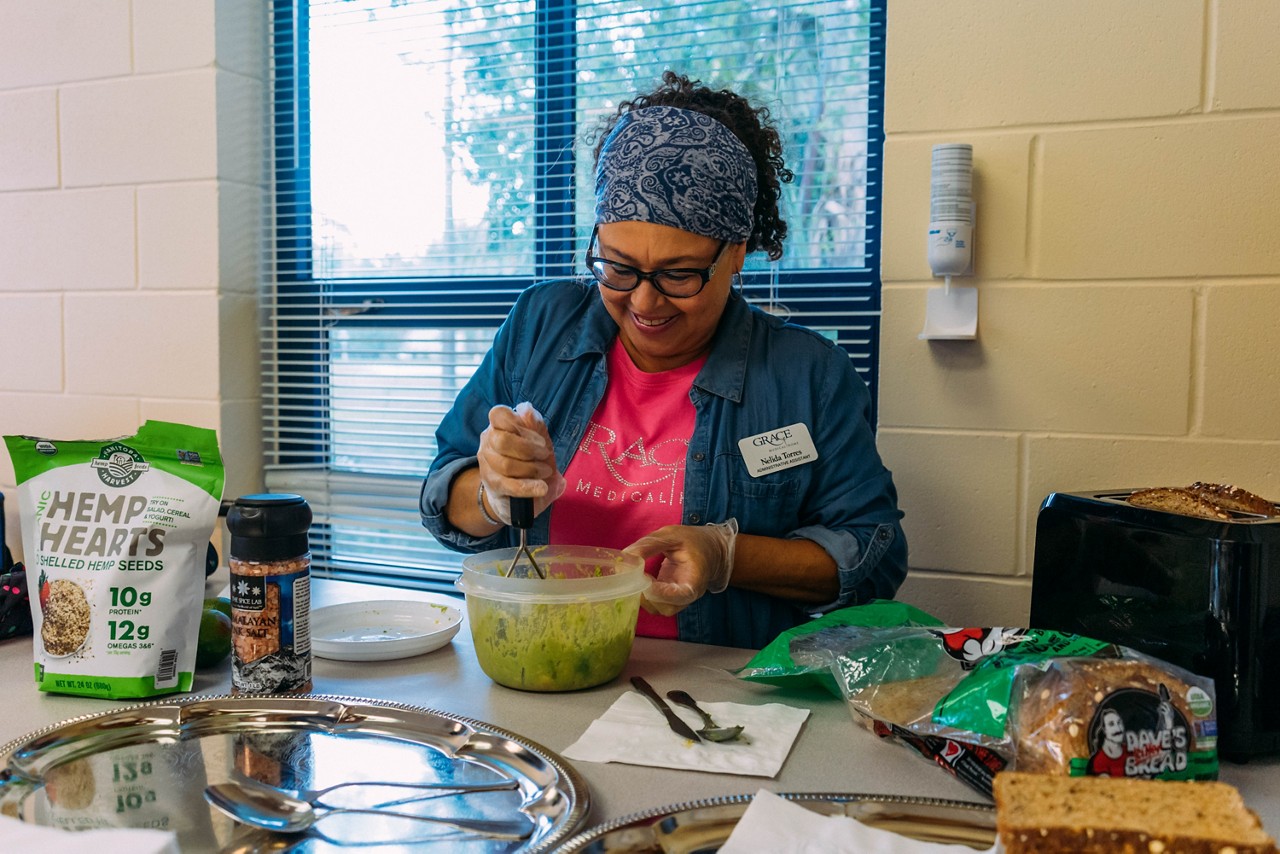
{"x": 871, "y": 562}
{"x": 433, "y": 504}
{"x": 851, "y": 511}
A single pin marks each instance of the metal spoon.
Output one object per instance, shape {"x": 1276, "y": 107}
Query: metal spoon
{"x": 433, "y": 789}
{"x": 710, "y": 731}
{"x": 261, "y": 806}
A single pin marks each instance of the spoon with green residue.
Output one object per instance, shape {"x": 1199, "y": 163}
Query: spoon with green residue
{"x": 710, "y": 731}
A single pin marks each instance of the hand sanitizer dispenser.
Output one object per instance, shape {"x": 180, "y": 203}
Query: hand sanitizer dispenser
{"x": 951, "y": 210}
{"x": 951, "y": 312}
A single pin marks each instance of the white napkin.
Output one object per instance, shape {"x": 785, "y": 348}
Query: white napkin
{"x": 772, "y": 823}
{"x": 634, "y": 732}
{"x": 21, "y": 836}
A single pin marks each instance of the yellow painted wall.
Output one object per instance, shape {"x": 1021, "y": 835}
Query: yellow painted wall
{"x": 1127, "y": 183}
{"x": 1128, "y": 186}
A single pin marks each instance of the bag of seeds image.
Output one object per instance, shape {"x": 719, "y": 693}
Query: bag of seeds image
{"x": 115, "y": 533}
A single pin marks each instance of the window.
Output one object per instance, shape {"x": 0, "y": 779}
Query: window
{"x": 432, "y": 158}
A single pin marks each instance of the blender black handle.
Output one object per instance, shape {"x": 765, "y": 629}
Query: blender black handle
{"x": 522, "y": 512}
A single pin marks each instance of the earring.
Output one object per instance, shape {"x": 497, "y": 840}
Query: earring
{"x": 737, "y": 281}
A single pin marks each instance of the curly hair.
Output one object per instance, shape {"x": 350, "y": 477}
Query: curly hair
{"x": 753, "y": 125}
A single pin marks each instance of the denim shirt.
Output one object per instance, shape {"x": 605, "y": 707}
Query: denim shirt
{"x": 761, "y": 374}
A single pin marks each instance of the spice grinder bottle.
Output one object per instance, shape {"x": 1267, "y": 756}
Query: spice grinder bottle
{"x": 270, "y": 562}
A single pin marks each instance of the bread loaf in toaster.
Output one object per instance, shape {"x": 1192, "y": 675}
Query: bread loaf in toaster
{"x": 1176, "y": 499}
{"x": 1050, "y": 814}
{"x": 1232, "y": 497}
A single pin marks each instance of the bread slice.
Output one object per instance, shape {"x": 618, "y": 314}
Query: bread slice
{"x": 1052, "y": 814}
{"x": 1174, "y": 499}
{"x": 1232, "y": 497}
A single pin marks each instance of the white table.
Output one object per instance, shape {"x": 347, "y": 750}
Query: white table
{"x": 832, "y": 754}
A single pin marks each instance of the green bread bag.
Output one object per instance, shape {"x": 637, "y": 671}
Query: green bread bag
{"x": 784, "y": 662}
{"x": 115, "y": 534}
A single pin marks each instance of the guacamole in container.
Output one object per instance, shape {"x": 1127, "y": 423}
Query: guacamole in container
{"x": 571, "y": 630}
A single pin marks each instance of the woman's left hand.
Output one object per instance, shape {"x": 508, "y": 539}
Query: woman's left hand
{"x": 695, "y": 560}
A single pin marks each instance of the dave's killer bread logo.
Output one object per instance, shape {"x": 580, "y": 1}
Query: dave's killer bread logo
{"x": 119, "y": 465}
{"x": 1136, "y": 733}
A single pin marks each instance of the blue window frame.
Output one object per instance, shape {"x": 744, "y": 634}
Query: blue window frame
{"x": 368, "y": 338}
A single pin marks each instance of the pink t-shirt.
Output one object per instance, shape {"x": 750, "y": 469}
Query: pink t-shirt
{"x": 626, "y": 478}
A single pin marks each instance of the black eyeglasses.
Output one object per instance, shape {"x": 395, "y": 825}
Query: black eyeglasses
{"x": 678, "y": 283}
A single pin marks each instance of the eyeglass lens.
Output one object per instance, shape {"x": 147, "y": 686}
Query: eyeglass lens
{"x": 681, "y": 282}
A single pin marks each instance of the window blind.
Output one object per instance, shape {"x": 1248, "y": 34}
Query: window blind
{"x": 433, "y": 158}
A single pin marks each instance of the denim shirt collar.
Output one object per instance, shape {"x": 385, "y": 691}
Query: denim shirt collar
{"x": 723, "y": 375}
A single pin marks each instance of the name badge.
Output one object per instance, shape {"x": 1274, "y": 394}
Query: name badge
{"x": 775, "y": 450}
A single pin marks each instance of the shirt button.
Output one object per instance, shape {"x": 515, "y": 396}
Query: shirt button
{"x": 694, "y": 518}
{"x": 699, "y": 457}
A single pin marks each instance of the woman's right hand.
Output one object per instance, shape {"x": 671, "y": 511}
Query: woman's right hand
{"x": 517, "y": 459}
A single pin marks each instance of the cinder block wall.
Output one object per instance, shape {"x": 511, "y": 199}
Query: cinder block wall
{"x": 131, "y": 184}
{"x": 1127, "y": 181}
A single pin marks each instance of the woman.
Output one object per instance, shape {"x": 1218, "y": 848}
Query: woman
{"x": 648, "y": 407}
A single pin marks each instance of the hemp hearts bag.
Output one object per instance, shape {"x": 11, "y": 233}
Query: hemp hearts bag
{"x": 115, "y": 534}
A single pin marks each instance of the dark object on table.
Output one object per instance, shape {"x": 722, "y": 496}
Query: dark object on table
{"x": 1200, "y": 593}
{"x": 6, "y": 556}
{"x": 15, "y": 599}
{"x": 15, "y": 603}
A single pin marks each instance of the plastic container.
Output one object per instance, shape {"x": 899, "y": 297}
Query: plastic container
{"x": 950, "y": 248}
{"x": 571, "y": 630}
{"x": 951, "y": 210}
{"x": 270, "y": 562}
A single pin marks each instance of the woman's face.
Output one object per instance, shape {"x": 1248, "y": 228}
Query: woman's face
{"x": 661, "y": 332}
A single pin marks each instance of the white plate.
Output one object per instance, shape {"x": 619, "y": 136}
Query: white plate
{"x": 376, "y": 631}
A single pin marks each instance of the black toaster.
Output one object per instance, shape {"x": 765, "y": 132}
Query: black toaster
{"x": 1199, "y": 593}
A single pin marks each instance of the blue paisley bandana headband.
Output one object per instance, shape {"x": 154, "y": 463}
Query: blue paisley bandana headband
{"x": 680, "y": 168}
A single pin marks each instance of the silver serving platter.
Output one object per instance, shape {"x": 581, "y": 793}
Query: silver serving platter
{"x": 704, "y": 825}
{"x": 147, "y": 765}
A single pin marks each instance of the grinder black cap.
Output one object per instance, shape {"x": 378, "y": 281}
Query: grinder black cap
{"x": 269, "y": 526}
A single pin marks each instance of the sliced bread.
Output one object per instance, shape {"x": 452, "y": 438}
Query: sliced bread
{"x": 1176, "y": 499}
{"x": 1233, "y": 497}
{"x": 1053, "y": 814}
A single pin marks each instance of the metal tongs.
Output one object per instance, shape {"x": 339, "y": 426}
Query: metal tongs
{"x": 522, "y": 518}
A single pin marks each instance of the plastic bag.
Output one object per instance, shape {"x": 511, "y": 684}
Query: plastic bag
{"x": 776, "y": 665}
{"x": 115, "y": 533}
{"x": 979, "y": 700}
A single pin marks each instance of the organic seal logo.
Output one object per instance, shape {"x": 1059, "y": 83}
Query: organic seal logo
{"x": 119, "y": 465}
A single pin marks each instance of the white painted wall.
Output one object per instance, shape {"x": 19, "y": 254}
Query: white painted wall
{"x": 131, "y": 185}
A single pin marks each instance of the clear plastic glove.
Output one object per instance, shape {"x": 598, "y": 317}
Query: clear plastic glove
{"x": 517, "y": 458}
{"x": 695, "y": 560}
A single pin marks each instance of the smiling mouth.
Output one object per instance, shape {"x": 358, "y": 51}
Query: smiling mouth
{"x": 651, "y": 324}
